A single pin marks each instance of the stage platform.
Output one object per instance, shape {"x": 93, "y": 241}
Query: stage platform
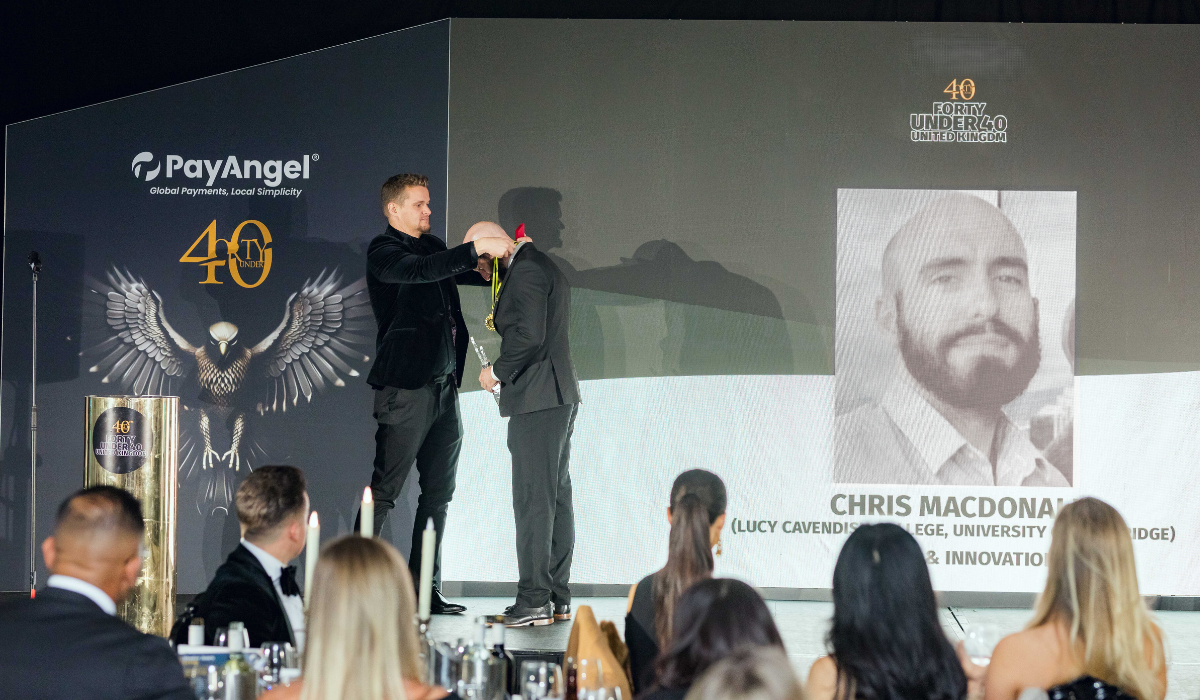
{"x": 803, "y": 625}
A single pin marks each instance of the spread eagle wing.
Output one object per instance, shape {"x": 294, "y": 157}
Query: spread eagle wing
{"x": 143, "y": 352}
{"x": 310, "y": 347}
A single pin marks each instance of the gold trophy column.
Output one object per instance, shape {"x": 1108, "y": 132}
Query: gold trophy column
{"x": 133, "y": 443}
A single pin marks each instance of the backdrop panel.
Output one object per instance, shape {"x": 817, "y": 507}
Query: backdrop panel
{"x": 135, "y": 206}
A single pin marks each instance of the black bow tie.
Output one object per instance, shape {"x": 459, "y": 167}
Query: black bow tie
{"x": 287, "y": 581}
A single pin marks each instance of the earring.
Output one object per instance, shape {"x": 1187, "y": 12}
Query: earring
{"x": 718, "y": 549}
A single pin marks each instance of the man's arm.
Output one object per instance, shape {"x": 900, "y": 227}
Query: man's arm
{"x": 529, "y": 295}
{"x": 154, "y": 673}
{"x": 389, "y": 261}
{"x": 245, "y": 603}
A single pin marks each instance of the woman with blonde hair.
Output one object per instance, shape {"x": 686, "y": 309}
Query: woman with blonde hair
{"x": 1091, "y": 635}
{"x": 361, "y": 642}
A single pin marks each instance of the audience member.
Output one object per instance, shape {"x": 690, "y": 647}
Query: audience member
{"x": 68, "y": 642}
{"x": 696, "y": 514}
{"x": 362, "y": 643}
{"x": 255, "y": 585}
{"x": 1090, "y": 623}
{"x": 758, "y": 673}
{"x": 886, "y": 642}
{"x": 713, "y": 619}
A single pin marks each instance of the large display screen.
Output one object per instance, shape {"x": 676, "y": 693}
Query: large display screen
{"x": 941, "y": 275}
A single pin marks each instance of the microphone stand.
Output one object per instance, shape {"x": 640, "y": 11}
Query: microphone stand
{"x": 35, "y": 265}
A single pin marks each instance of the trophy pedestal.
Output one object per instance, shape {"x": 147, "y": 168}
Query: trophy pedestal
{"x": 133, "y": 443}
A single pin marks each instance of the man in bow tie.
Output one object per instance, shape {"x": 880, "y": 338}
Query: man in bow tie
{"x": 540, "y": 391}
{"x": 256, "y": 585}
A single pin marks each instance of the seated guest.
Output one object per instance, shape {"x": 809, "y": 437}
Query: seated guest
{"x": 362, "y": 641}
{"x": 696, "y": 514}
{"x": 760, "y": 673}
{"x": 255, "y": 585}
{"x": 68, "y": 642}
{"x": 886, "y": 642}
{"x": 713, "y": 619}
{"x": 1090, "y": 624}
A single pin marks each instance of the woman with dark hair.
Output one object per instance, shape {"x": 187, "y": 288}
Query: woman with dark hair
{"x": 886, "y": 642}
{"x": 714, "y": 618}
{"x": 696, "y": 514}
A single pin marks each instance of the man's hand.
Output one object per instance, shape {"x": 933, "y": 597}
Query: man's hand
{"x": 484, "y": 268}
{"x": 495, "y": 246}
{"x": 485, "y": 379}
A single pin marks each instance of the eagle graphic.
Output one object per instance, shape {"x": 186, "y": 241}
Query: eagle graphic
{"x": 309, "y": 351}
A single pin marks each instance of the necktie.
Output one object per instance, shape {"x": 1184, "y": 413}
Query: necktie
{"x": 287, "y": 581}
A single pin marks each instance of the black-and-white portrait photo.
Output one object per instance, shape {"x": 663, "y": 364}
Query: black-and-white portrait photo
{"x": 955, "y": 339}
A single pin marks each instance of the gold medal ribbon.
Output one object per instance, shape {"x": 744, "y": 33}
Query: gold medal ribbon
{"x": 490, "y": 321}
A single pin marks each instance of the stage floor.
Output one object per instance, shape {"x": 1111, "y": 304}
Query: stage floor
{"x": 803, "y": 625}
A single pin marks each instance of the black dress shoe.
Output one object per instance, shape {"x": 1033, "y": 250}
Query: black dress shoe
{"x": 562, "y": 612}
{"x": 521, "y": 616}
{"x": 438, "y": 605}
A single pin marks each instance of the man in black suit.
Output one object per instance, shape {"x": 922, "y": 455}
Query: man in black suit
{"x": 256, "y": 586}
{"x": 540, "y": 391}
{"x": 419, "y": 356}
{"x": 67, "y": 642}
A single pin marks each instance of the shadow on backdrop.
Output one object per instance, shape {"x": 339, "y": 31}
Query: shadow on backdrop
{"x": 659, "y": 312}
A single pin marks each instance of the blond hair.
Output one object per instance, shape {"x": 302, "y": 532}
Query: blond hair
{"x": 755, "y": 673}
{"x": 1092, "y": 588}
{"x": 361, "y": 643}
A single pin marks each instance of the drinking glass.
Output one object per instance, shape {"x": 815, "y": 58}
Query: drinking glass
{"x": 590, "y": 675}
{"x": 541, "y": 679}
{"x": 980, "y": 640}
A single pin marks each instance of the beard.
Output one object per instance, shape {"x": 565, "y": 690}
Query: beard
{"x": 423, "y": 226}
{"x": 988, "y": 383}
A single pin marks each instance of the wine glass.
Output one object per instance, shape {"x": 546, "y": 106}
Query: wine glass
{"x": 589, "y": 675}
{"x": 541, "y": 679}
{"x": 980, "y": 640}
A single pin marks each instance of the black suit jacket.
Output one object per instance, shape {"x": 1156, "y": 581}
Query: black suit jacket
{"x": 533, "y": 315}
{"x": 410, "y": 290}
{"x": 62, "y": 645}
{"x": 242, "y": 592}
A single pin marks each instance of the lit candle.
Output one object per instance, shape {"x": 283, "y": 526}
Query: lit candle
{"x": 366, "y": 517}
{"x": 428, "y": 549}
{"x": 311, "y": 548}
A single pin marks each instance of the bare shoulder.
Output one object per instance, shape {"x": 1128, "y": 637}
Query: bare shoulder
{"x": 1031, "y": 658}
{"x": 632, "y": 593}
{"x": 821, "y": 683}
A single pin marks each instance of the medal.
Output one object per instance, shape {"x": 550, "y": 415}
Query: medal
{"x": 490, "y": 322}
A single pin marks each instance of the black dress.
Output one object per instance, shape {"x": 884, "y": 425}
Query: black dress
{"x": 1087, "y": 688}
{"x": 640, "y": 636}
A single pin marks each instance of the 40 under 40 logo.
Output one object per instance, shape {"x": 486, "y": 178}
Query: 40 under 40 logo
{"x": 959, "y": 120}
{"x": 247, "y": 250}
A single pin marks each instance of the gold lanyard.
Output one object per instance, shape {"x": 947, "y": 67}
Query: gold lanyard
{"x": 490, "y": 321}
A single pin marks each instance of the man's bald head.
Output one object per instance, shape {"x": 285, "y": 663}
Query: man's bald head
{"x": 950, "y": 227}
{"x": 484, "y": 229}
{"x": 956, "y": 302}
{"x": 97, "y": 537}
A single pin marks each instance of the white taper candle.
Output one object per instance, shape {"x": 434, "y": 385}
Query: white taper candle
{"x": 428, "y": 549}
{"x": 366, "y": 516}
{"x": 312, "y": 547}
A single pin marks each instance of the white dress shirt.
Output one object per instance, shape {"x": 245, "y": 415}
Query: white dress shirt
{"x": 97, "y": 596}
{"x": 293, "y": 605}
{"x": 905, "y": 440}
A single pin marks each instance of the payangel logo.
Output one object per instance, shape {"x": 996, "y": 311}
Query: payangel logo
{"x": 272, "y": 173}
